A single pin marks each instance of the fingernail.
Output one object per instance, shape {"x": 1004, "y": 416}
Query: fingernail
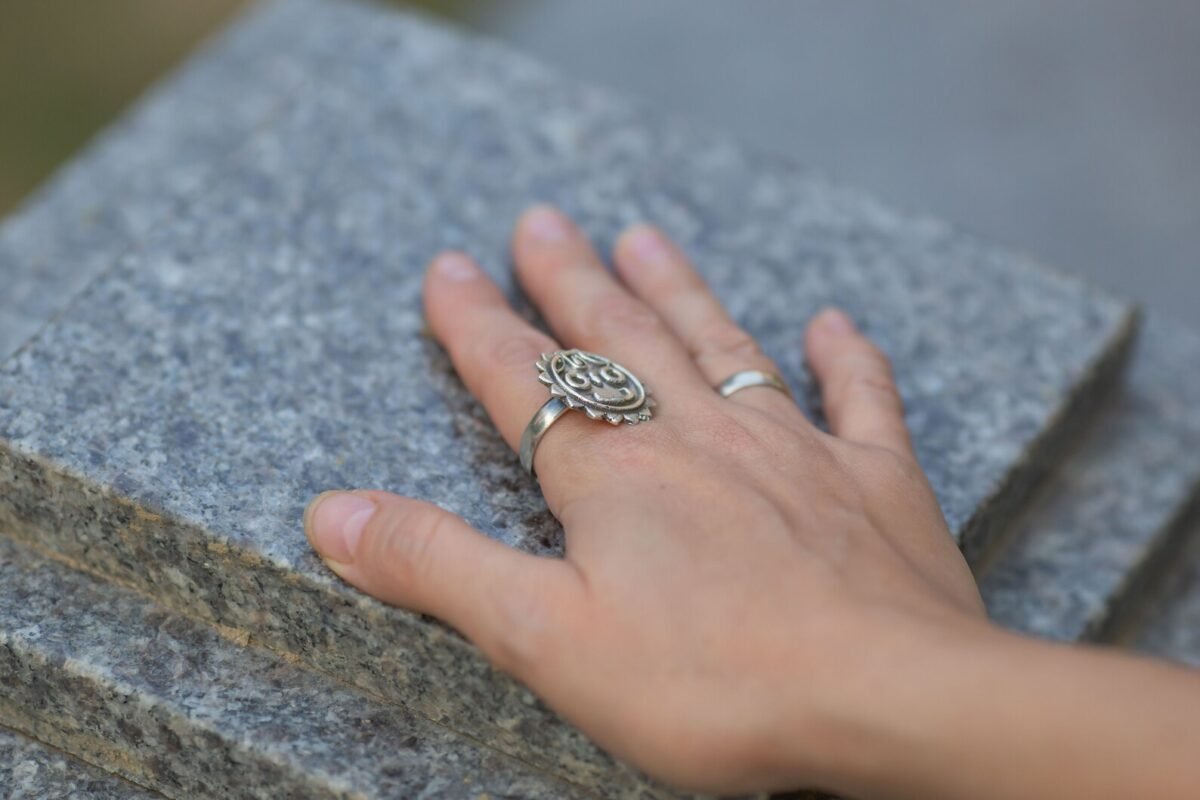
{"x": 455, "y": 267}
{"x": 835, "y": 321}
{"x": 335, "y": 522}
{"x": 547, "y": 224}
{"x": 647, "y": 244}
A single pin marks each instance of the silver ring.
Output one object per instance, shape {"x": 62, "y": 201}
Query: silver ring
{"x": 748, "y": 378}
{"x": 600, "y": 387}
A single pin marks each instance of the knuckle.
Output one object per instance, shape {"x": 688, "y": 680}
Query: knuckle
{"x": 728, "y": 435}
{"x": 725, "y": 339}
{"x": 618, "y": 312}
{"x": 869, "y": 374}
{"x": 882, "y": 386}
{"x": 406, "y": 540}
{"x": 517, "y": 352}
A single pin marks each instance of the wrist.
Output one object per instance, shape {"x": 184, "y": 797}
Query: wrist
{"x": 892, "y": 694}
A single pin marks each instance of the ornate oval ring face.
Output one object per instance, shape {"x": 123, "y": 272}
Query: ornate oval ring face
{"x": 596, "y": 385}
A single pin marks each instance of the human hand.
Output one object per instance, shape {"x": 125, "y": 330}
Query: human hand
{"x": 731, "y": 571}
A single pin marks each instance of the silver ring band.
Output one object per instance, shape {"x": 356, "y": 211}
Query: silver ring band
{"x": 595, "y": 385}
{"x": 543, "y": 418}
{"x": 749, "y": 378}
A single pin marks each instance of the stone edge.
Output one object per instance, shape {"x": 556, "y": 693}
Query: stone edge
{"x": 987, "y": 531}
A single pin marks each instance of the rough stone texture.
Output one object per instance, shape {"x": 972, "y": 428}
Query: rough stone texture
{"x": 264, "y": 345}
{"x": 30, "y": 770}
{"x": 140, "y": 172}
{"x": 115, "y": 679}
{"x": 1170, "y": 619}
{"x": 1114, "y": 511}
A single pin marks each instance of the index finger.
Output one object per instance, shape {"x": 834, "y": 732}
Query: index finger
{"x": 493, "y": 349}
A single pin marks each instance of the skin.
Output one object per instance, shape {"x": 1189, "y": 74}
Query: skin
{"x": 746, "y": 603}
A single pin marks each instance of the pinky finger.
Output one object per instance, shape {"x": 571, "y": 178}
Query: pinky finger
{"x": 858, "y": 390}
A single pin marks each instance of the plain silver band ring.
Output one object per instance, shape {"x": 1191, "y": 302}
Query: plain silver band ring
{"x": 748, "y": 378}
{"x": 542, "y": 419}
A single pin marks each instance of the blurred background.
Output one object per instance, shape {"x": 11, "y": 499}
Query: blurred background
{"x": 1070, "y": 130}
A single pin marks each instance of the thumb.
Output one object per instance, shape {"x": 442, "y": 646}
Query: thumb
{"x": 514, "y": 606}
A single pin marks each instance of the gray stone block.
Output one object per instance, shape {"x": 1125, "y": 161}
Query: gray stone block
{"x": 140, "y": 172}
{"x": 102, "y": 673}
{"x": 30, "y": 770}
{"x": 1113, "y": 513}
{"x": 264, "y": 341}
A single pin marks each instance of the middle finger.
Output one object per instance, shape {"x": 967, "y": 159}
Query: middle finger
{"x": 587, "y": 307}
{"x": 658, "y": 272}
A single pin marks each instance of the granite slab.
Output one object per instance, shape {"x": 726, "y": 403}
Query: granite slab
{"x": 105, "y": 674}
{"x": 1168, "y": 624}
{"x": 167, "y": 429}
{"x": 1114, "y": 512}
{"x": 30, "y": 770}
{"x": 139, "y": 172}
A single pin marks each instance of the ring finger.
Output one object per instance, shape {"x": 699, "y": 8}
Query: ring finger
{"x": 494, "y": 352}
{"x": 664, "y": 278}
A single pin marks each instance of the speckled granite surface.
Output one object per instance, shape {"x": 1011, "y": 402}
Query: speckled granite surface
{"x": 1170, "y": 619}
{"x": 1113, "y": 512}
{"x": 103, "y": 673}
{"x": 140, "y": 172}
{"x": 30, "y": 770}
{"x": 263, "y": 343}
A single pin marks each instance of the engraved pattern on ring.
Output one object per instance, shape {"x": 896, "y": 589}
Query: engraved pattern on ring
{"x": 598, "y": 386}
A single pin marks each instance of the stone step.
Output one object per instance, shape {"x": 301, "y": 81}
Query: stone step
{"x": 1167, "y": 624}
{"x": 1114, "y": 513}
{"x": 261, "y": 341}
{"x": 111, "y": 677}
{"x": 30, "y": 770}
